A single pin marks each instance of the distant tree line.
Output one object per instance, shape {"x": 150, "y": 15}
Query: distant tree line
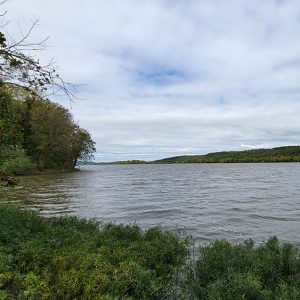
{"x": 279, "y": 154}
{"x": 130, "y": 162}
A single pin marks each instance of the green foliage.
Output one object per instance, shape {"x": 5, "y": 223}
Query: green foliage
{"x": 10, "y": 129}
{"x": 279, "y": 154}
{"x": 45, "y": 131}
{"x": 15, "y": 161}
{"x": 19, "y": 166}
{"x": 57, "y": 142}
{"x": 69, "y": 258}
{"x": 270, "y": 271}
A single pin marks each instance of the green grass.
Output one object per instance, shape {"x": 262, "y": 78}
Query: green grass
{"x": 71, "y": 258}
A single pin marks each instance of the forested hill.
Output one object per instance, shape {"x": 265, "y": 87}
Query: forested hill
{"x": 279, "y": 154}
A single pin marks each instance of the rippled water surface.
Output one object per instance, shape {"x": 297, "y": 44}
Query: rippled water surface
{"x": 207, "y": 201}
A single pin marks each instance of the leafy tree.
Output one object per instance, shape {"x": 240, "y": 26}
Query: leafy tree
{"x": 57, "y": 142}
{"x": 82, "y": 145}
{"x": 32, "y": 128}
{"x": 13, "y": 158}
{"x": 10, "y": 130}
{"x": 43, "y": 130}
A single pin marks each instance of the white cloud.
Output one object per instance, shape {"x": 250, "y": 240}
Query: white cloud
{"x": 176, "y": 77}
{"x": 252, "y": 146}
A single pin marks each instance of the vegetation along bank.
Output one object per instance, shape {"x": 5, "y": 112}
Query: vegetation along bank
{"x": 71, "y": 258}
{"x": 37, "y": 134}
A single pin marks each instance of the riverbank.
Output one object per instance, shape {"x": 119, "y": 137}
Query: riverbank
{"x": 8, "y": 180}
{"x": 52, "y": 171}
{"x": 73, "y": 258}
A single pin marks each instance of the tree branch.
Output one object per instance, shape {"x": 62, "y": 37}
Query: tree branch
{"x": 26, "y": 70}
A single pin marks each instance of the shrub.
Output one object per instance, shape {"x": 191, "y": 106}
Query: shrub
{"x": 19, "y": 166}
{"x": 14, "y": 161}
{"x": 270, "y": 271}
{"x": 69, "y": 258}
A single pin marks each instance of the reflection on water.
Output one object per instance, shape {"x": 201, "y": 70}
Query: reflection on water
{"x": 207, "y": 201}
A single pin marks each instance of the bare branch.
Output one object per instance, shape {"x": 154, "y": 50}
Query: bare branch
{"x": 1, "y": 3}
{"x": 25, "y": 70}
{"x": 26, "y": 35}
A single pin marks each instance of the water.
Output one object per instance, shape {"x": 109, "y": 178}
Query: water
{"x": 207, "y": 201}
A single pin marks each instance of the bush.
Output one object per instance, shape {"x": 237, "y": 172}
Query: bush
{"x": 14, "y": 161}
{"x": 270, "y": 271}
{"x": 19, "y": 166}
{"x": 69, "y": 258}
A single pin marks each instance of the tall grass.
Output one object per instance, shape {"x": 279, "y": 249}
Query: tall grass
{"x": 70, "y": 258}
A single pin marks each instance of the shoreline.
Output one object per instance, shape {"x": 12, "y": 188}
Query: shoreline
{"x": 69, "y": 257}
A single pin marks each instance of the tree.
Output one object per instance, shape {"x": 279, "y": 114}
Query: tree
{"x": 13, "y": 158}
{"x": 82, "y": 145}
{"x": 10, "y": 130}
{"x": 42, "y": 130}
{"x": 57, "y": 141}
{"x": 32, "y": 128}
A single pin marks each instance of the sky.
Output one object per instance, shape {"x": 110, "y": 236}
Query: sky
{"x": 161, "y": 78}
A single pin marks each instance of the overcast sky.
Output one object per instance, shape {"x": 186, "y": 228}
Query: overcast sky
{"x": 172, "y": 77}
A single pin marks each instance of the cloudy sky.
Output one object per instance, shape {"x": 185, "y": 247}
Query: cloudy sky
{"x": 163, "y": 78}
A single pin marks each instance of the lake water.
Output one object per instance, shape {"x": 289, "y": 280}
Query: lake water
{"x": 207, "y": 201}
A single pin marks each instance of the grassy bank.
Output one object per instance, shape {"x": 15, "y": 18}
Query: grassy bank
{"x": 69, "y": 258}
